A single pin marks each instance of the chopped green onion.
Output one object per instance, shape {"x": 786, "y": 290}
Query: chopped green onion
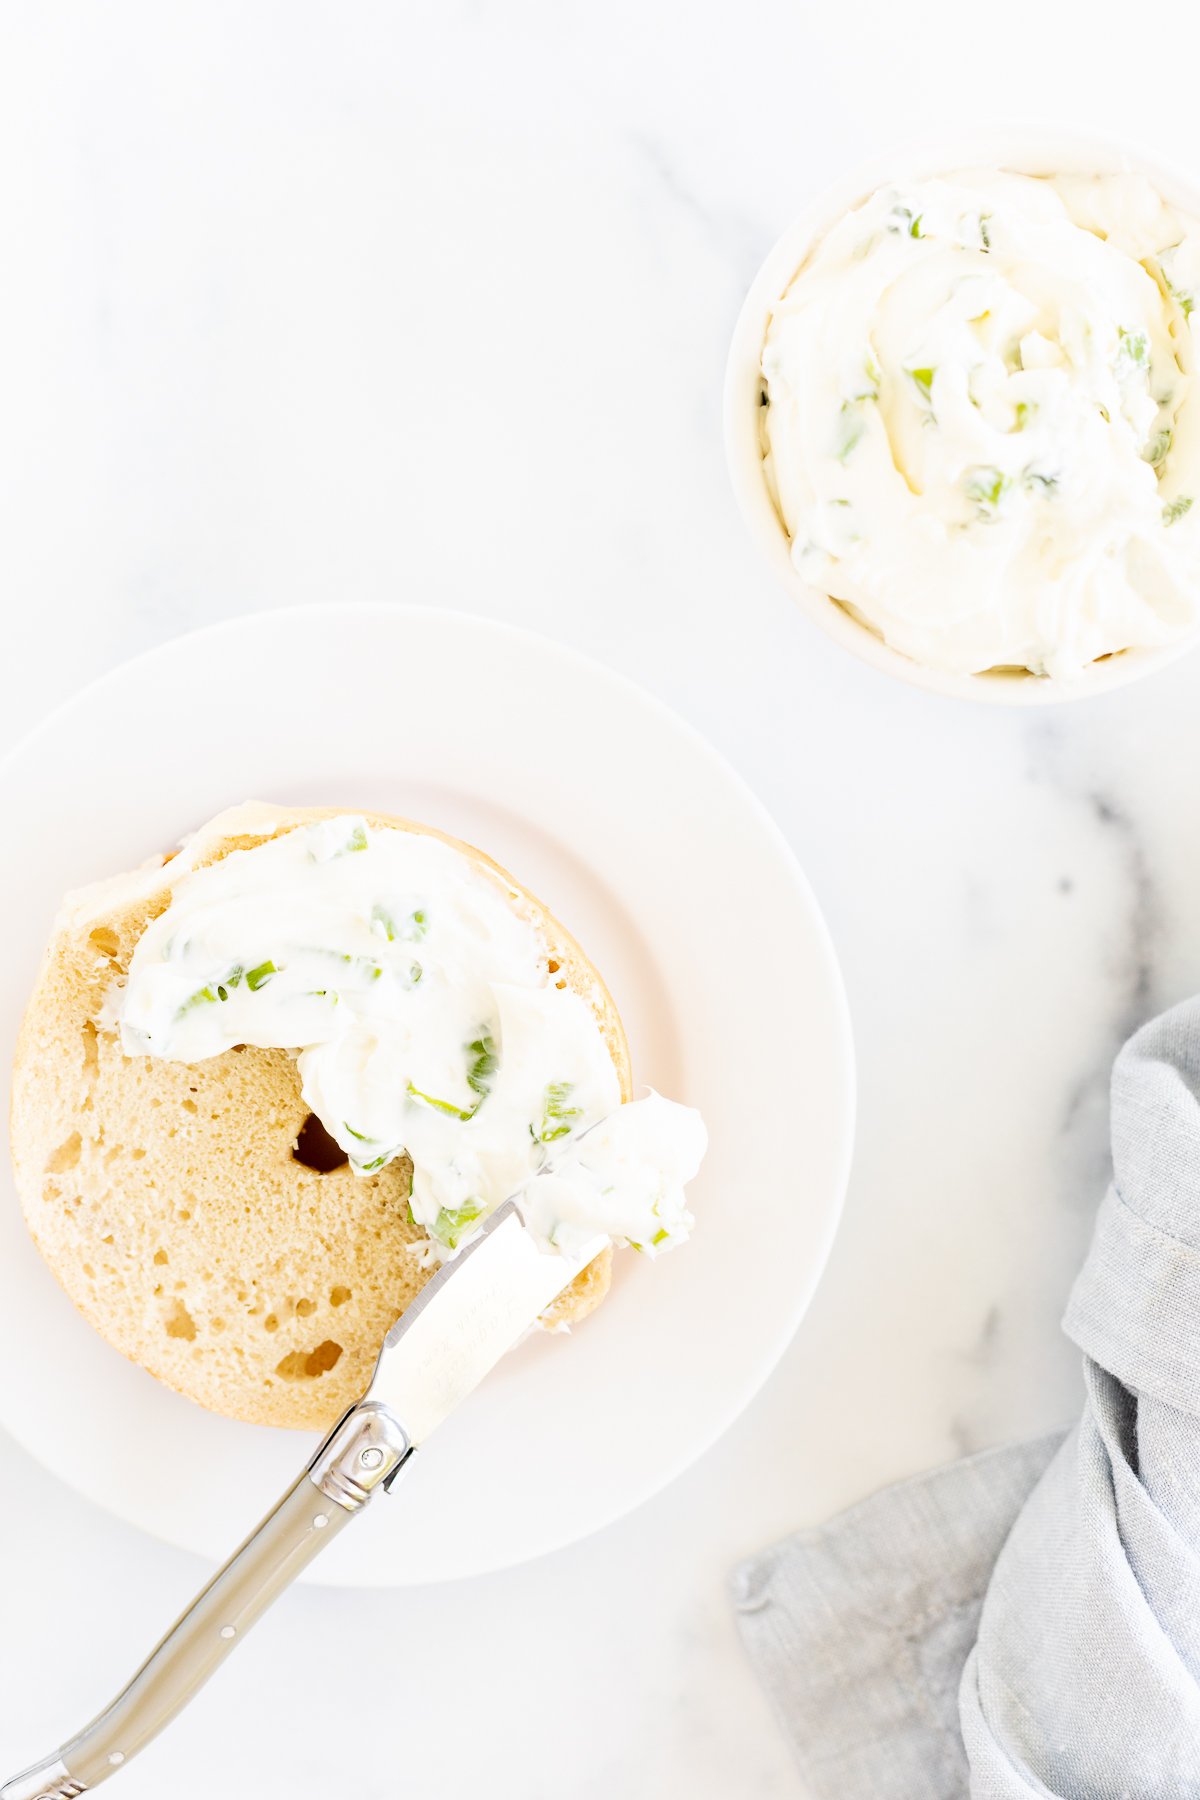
{"x": 231, "y": 981}
{"x": 558, "y": 1119}
{"x": 205, "y": 996}
{"x": 904, "y": 222}
{"x": 260, "y": 975}
{"x": 484, "y": 1066}
{"x": 1156, "y": 450}
{"x": 984, "y": 233}
{"x": 413, "y": 928}
{"x": 213, "y": 992}
{"x": 1025, "y": 411}
{"x": 1175, "y": 509}
{"x": 1185, "y": 301}
{"x": 922, "y": 380}
{"x": 1133, "y": 347}
{"x": 452, "y": 1222}
{"x": 357, "y": 839}
{"x": 381, "y": 917}
{"x": 363, "y": 965}
{"x": 443, "y": 1106}
{"x": 1037, "y": 478}
{"x": 851, "y": 426}
{"x": 986, "y": 487}
{"x": 660, "y": 1237}
{"x": 376, "y": 1163}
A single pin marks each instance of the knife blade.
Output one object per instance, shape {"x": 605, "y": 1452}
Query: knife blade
{"x": 466, "y": 1317}
{"x": 447, "y": 1341}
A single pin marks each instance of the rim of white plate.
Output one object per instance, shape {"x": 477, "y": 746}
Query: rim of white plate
{"x": 840, "y": 1046}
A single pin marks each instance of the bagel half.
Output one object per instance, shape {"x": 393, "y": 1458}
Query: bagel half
{"x": 167, "y": 1199}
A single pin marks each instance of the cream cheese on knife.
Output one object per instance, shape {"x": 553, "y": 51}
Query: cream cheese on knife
{"x": 982, "y": 429}
{"x": 426, "y": 1021}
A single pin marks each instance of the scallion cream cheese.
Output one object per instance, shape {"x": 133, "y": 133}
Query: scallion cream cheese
{"x": 426, "y": 1021}
{"x": 981, "y": 426}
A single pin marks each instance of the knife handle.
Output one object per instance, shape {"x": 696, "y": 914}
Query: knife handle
{"x": 364, "y": 1451}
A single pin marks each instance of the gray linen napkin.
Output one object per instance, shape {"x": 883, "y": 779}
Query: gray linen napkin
{"x": 1027, "y": 1622}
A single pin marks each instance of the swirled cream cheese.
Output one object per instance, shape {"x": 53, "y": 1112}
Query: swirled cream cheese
{"x": 425, "y": 1020}
{"x": 981, "y": 426}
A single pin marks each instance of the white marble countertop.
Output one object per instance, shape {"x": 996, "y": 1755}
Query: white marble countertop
{"x": 431, "y": 302}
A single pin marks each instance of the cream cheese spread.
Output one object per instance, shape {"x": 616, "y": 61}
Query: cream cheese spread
{"x": 426, "y": 1020}
{"x": 981, "y": 426}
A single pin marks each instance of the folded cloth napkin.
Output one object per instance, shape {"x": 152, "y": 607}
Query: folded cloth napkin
{"x": 1027, "y": 1622}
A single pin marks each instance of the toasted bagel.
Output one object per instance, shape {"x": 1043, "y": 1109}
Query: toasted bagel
{"x": 168, "y": 1199}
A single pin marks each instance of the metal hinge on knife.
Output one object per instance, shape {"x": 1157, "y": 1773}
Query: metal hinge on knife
{"x": 366, "y": 1450}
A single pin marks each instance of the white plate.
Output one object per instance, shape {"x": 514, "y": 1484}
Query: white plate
{"x": 679, "y": 886}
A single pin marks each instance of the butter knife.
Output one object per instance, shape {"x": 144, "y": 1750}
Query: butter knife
{"x": 461, "y": 1323}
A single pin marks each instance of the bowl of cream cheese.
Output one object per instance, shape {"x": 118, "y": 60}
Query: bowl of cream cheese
{"x": 962, "y": 415}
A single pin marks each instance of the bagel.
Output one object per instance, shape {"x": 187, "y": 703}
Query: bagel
{"x": 178, "y": 1204}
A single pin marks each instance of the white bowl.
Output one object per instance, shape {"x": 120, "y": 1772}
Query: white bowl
{"x": 1025, "y": 151}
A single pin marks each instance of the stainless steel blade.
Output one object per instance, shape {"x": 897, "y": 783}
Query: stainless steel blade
{"x": 464, "y": 1319}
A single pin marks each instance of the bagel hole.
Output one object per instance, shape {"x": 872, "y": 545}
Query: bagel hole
{"x": 316, "y": 1150}
{"x": 105, "y": 941}
{"x": 305, "y": 1309}
{"x": 338, "y": 1296}
{"x": 91, "y": 1049}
